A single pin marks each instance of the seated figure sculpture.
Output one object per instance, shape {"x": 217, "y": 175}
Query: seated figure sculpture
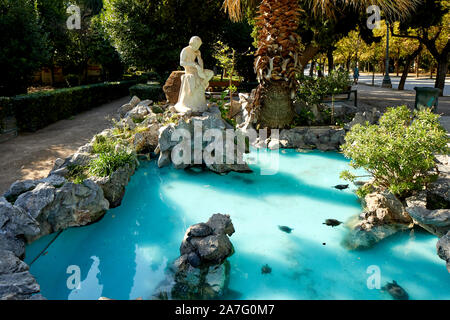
{"x": 195, "y": 80}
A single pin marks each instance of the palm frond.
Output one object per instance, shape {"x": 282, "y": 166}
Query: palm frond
{"x": 236, "y": 8}
{"x": 393, "y": 9}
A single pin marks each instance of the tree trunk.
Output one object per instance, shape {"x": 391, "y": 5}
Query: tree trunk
{"x": 441, "y": 73}
{"x": 277, "y": 62}
{"x": 409, "y": 60}
{"x": 311, "y": 69}
{"x": 307, "y": 55}
{"x": 417, "y": 65}
{"x": 330, "y": 60}
{"x": 276, "y": 108}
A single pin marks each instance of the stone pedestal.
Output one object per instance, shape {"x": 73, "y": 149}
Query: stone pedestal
{"x": 172, "y": 87}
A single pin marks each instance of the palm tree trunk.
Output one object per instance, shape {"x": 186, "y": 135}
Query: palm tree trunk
{"x": 277, "y": 62}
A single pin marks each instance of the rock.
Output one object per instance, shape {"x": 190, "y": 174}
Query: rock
{"x": 202, "y": 271}
{"x": 10, "y": 263}
{"x": 172, "y": 86}
{"x": 123, "y": 110}
{"x": 191, "y": 126}
{"x": 385, "y": 208}
{"x": 15, "y": 221}
{"x": 215, "y": 248}
{"x": 200, "y": 230}
{"x": 138, "y": 113}
{"x": 438, "y": 192}
{"x": 76, "y": 205}
{"x": 54, "y": 180}
{"x": 383, "y": 216}
{"x": 443, "y": 249}
{"x": 19, "y": 187}
{"x": 33, "y": 202}
{"x": 359, "y": 238}
{"x": 139, "y": 142}
{"x": 113, "y": 186}
{"x": 134, "y": 101}
{"x": 362, "y": 118}
{"x": 221, "y": 224}
{"x": 58, "y": 164}
{"x": 17, "y": 286}
{"x": 165, "y": 137}
{"x": 164, "y": 159}
{"x": 434, "y": 221}
{"x": 79, "y": 159}
{"x": 87, "y": 148}
{"x": 11, "y": 243}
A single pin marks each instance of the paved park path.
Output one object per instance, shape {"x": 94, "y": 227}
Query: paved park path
{"x": 370, "y": 97}
{"x": 31, "y": 155}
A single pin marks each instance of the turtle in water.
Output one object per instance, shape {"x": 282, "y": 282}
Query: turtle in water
{"x": 332, "y": 222}
{"x": 341, "y": 186}
{"x": 285, "y": 229}
{"x": 266, "y": 269}
{"x": 396, "y": 292}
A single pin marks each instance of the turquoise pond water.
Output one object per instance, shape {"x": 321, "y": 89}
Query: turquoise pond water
{"x": 125, "y": 254}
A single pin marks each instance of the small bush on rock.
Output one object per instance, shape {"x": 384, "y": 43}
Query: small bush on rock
{"x": 103, "y": 144}
{"x": 106, "y": 163}
{"x": 399, "y": 152}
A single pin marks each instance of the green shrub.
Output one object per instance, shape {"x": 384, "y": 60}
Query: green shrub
{"x": 77, "y": 173}
{"x": 313, "y": 90}
{"x": 152, "y": 92}
{"x": 103, "y": 144}
{"x": 37, "y": 110}
{"x": 399, "y": 152}
{"x": 106, "y": 163}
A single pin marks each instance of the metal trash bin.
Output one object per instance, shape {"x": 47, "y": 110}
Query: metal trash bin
{"x": 427, "y": 97}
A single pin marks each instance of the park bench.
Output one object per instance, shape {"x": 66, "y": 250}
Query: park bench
{"x": 348, "y": 93}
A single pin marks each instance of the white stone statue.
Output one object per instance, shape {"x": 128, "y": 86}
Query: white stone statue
{"x": 195, "y": 80}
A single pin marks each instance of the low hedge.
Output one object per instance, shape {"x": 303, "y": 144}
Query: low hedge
{"x": 37, "y": 110}
{"x": 152, "y": 91}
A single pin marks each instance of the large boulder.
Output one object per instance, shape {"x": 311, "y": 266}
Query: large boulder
{"x": 383, "y": 216}
{"x": 10, "y": 263}
{"x": 172, "y": 86}
{"x": 202, "y": 271}
{"x": 192, "y": 126}
{"x": 434, "y": 221}
{"x": 443, "y": 249}
{"x": 16, "y": 283}
{"x": 15, "y": 221}
{"x": 384, "y": 208}
{"x": 17, "y": 286}
{"x": 16, "y": 245}
{"x": 76, "y": 205}
{"x": 36, "y": 200}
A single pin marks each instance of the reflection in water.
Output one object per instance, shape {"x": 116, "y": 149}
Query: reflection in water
{"x": 149, "y": 271}
{"x": 90, "y": 288}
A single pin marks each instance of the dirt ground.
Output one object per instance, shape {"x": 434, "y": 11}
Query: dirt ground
{"x": 31, "y": 155}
